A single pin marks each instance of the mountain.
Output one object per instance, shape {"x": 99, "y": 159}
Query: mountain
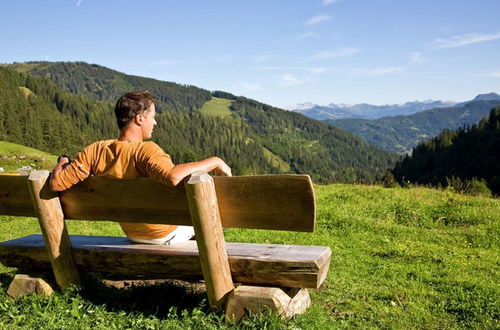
{"x": 193, "y": 123}
{"x": 481, "y": 97}
{"x": 402, "y": 133}
{"x": 457, "y": 155}
{"x": 366, "y": 111}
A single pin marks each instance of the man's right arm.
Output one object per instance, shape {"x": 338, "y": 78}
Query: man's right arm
{"x": 180, "y": 171}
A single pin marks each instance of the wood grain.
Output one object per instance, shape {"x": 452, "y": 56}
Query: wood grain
{"x": 280, "y": 202}
{"x": 51, "y": 219}
{"x": 202, "y": 199}
{"x": 259, "y": 264}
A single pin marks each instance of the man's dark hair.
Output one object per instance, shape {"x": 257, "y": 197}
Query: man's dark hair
{"x": 130, "y": 105}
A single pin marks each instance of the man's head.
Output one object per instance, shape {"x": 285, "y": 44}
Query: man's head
{"x": 130, "y": 105}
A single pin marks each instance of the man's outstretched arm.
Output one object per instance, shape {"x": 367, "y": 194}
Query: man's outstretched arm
{"x": 180, "y": 171}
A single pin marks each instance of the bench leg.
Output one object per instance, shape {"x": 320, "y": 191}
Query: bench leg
{"x": 24, "y": 284}
{"x": 255, "y": 299}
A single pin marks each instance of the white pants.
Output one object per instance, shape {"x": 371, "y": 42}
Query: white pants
{"x": 181, "y": 234}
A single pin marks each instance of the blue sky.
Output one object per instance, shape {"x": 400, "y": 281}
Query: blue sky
{"x": 277, "y": 52}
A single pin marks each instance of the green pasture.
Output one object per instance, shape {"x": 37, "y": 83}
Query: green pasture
{"x": 216, "y": 107}
{"x": 14, "y": 156}
{"x": 402, "y": 258}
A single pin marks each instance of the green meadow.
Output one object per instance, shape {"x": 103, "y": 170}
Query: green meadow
{"x": 402, "y": 258}
{"x": 217, "y": 107}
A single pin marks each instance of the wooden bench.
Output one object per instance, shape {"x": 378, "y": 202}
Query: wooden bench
{"x": 272, "y": 275}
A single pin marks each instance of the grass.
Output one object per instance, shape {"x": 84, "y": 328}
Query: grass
{"x": 402, "y": 258}
{"x": 10, "y": 159}
{"x": 217, "y": 107}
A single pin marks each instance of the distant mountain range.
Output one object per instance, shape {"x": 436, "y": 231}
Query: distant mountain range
{"x": 365, "y": 111}
{"x": 402, "y": 133}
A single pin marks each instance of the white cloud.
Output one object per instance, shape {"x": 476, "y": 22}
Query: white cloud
{"x": 289, "y": 79}
{"x": 250, "y": 87}
{"x": 306, "y": 35}
{"x": 317, "y": 70}
{"x": 464, "y": 40}
{"x": 263, "y": 58}
{"x": 310, "y": 69}
{"x": 328, "y": 2}
{"x": 378, "y": 71}
{"x": 226, "y": 58}
{"x": 417, "y": 58}
{"x": 494, "y": 74}
{"x": 318, "y": 19}
{"x": 164, "y": 63}
{"x": 338, "y": 53}
{"x": 78, "y": 3}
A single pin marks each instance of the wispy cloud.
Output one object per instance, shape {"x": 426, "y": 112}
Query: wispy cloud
{"x": 494, "y": 75}
{"x": 464, "y": 40}
{"x": 248, "y": 87}
{"x": 309, "y": 69}
{"x": 328, "y": 2}
{"x": 289, "y": 79}
{"x": 164, "y": 63}
{"x": 305, "y": 35}
{"x": 417, "y": 58}
{"x": 225, "y": 58}
{"x": 263, "y": 58}
{"x": 378, "y": 71}
{"x": 78, "y": 3}
{"x": 335, "y": 54}
{"x": 318, "y": 19}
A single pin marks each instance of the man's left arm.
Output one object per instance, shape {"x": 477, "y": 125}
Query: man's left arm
{"x": 67, "y": 173}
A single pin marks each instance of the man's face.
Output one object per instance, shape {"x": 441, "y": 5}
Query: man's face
{"x": 148, "y": 122}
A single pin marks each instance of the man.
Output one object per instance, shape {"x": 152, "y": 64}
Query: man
{"x": 130, "y": 157}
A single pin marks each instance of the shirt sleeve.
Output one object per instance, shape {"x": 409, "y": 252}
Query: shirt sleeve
{"x": 154, "y": 162}
{"x": 79, "y": 169}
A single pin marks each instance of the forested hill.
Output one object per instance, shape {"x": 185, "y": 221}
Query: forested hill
{"x": 454, "y": 155}
{"x": 252, "y": 137}
{"x": 402, "y": 133}
{"x": 100, "y": 83}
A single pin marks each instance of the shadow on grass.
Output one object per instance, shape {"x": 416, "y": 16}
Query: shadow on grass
{"x": 5, "y": 279}
{"x": 147, "y": 298}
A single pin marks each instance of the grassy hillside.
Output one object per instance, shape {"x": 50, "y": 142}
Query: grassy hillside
{"x": 402, "y": 258}
{"x": 217, "y": 107}
{"x": 14, "y": 156}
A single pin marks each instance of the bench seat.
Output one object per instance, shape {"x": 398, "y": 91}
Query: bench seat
{"x": 263, "y": 264}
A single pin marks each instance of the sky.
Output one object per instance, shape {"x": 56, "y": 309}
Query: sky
{"x": 277, "y": 52}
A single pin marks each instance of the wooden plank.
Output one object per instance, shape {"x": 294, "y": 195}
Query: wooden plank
{"x": 244, "y": 201}
{"x": 259, "y": 264}
{"x": 15, "y": 197}
{"x": 55, "y": 234}
{"x": 204, "y": 210}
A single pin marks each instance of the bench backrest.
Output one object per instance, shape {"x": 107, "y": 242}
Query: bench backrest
{"x": 279, "y": 202}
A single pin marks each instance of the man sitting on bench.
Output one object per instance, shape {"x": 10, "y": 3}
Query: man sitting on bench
{"x": 129, "y": 157}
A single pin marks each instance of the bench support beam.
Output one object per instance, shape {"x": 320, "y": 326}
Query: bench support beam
{"x": 247, "y": 299}
{"x": 51, "y": 218}
{"x": 24, "y": 284}
{"x": 204, "y": 210}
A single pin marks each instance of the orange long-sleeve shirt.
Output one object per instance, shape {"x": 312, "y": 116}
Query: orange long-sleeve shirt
{"x": 122, "y": 160}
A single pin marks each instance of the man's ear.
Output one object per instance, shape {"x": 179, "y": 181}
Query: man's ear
{"x": 138, "y": 120}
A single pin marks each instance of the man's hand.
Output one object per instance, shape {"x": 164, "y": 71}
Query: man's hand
{"x": 222, "y": 169}
{"x": 180, "y": 171}
{"x": 62, "y": 162}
